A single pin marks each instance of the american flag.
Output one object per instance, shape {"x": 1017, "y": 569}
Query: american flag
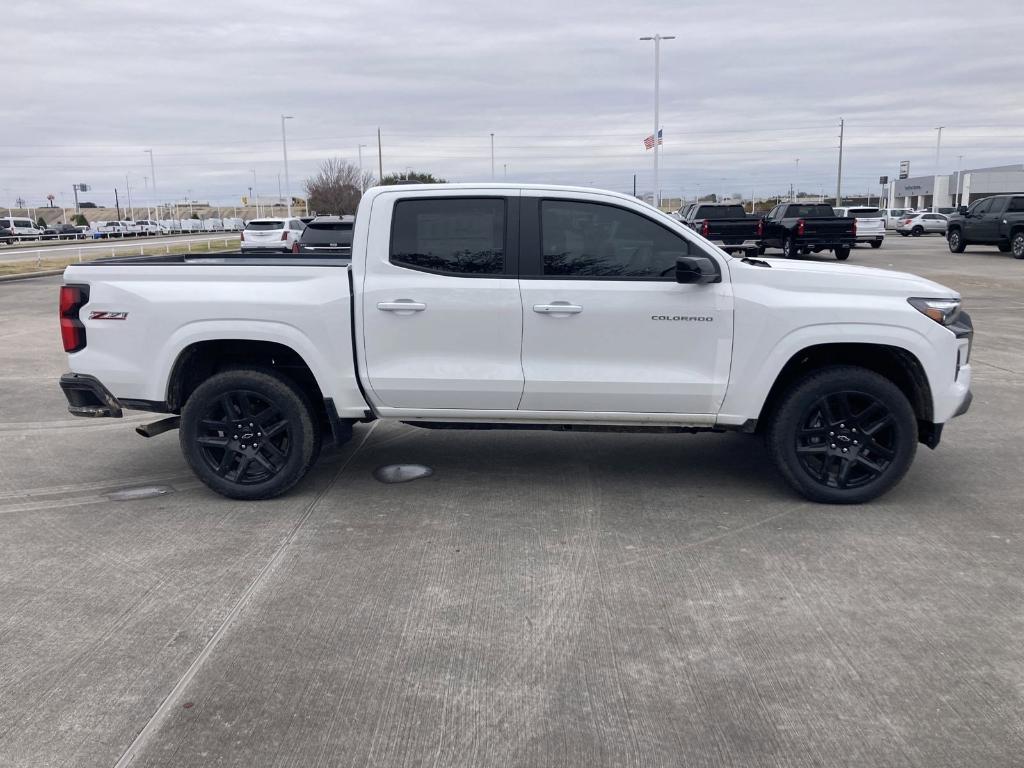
{"x": 649, "y": 141}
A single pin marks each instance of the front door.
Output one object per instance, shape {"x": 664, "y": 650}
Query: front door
{"x": 442, "y": 318}
{"x": 605, "y": 326}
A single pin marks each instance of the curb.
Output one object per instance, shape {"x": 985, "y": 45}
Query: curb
{"x": 30, "y": 275}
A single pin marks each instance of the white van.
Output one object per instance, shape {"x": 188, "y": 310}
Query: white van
{"x": 21, "y": 228}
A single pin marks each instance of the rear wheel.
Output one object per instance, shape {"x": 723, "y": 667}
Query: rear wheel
{"x": 789, "y": 248}
{"x": 249, "y": 434}
{"x": 956, "y": 241}
{"x": 917, "y": 231}
{"x": 843, "y": 252}
{"x": 876, "y": 243}
{"x": 1017, "y": 245}
{"x": 843, "y": 435}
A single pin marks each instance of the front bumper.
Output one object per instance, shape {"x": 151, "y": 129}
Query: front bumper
{"x": 88, "y": 397}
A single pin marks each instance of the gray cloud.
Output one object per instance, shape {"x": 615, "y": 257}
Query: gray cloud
{"x": 747, "y": 87}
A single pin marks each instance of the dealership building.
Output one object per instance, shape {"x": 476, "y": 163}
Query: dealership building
{"x": 957, "y": 188}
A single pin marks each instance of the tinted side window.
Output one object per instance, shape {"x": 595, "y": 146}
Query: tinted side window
{"x": 982, "y": 207}
{"x": 594, "y": 240}
{"x": 1016, "y": 205}
{"x": 464, "y": 236}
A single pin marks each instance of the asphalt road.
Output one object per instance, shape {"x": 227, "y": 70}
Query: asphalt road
{"x": 122, "y": 246}
{"x": 543, "y": 599}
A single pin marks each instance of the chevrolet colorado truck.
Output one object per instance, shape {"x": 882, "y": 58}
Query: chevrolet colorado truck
{"x": 996, "y": 220}
{"x": 725, "y": 224}
{"x": 493, "y": 305}
{"x": 808, "y": 227}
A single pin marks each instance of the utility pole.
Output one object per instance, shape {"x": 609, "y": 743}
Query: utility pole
{"x": 284, "y": 149}
{"x": 117, "y": 204}
{"x": 796, "y": 181}
{"x": 362, "y": 183}
{"x": 492, "y": 155}
{"x": 839, "y": 175}
{"x": 128, "y": 188}
{"x": 935, "y": 183}
{"x": 657, "y": 76}
{"x": 957, "y": 196}
{"x": 380, "y": 160}
{"x": 254, "y": 193}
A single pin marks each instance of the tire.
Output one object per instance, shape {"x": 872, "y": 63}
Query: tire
{"x": 1017, "y": 245}
{"x": 876, "y": 243}
{"x": 789, "y": 248}
{"x": 259, "y": 402}
{"x": 846, "y": 407}
{"x": 956, "y": 242}
{"x": 843, "y": 252}
{"x": 917, "y": 231}
{"x": 760, "y": 250}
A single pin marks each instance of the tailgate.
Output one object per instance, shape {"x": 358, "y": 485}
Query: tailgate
{"x": 828, "y": 227}
{"x": 732, "y": 229}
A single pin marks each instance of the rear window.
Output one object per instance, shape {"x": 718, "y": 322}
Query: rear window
{"x": 264, "y": 226}
{"x": 325, "y": 233}
{"x": 864, "y": 213}
{"x": 810, "y": 211}
{"x": 714, "y": 212}
{"x": 459, "y": 236}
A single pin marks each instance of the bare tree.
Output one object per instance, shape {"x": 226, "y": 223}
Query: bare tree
{"x": 336, "y": 188}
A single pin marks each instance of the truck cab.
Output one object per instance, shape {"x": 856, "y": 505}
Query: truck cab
{"x": 996, "y": 220}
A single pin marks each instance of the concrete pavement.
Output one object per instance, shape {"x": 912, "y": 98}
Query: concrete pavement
{"x": 542, "y": 599}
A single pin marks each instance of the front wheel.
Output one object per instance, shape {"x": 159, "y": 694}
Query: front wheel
{"x": 249, "y": 434}
{"x": 1017, "y": 245}
{"x": 843, "y": 252}
{"x": 843, "y": 435}
{"x": 956, "y": 242}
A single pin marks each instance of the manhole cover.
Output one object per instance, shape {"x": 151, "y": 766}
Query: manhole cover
{"x": 401, "y": 473}
{"x": 145, "y": 492}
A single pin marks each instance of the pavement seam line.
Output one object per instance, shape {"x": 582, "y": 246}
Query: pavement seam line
{"x": 139, "y": 742}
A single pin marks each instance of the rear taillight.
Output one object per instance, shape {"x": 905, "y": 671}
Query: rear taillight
{"x": 72, "y": 332}
{"x": 284, "y": 235}
{"x": 760, "y": 228}
{"x": 241, "y": 236}
{"x": 801, "y": 227}
{"x": 854, "y": 229}
{"x": 704, "y": 228}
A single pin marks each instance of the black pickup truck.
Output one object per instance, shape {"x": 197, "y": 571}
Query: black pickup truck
{"x": 996, "y": 220}
{"x": 726, "y": 225}
{"x": 808, "y": 227}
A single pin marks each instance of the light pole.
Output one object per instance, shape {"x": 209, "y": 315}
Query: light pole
{"x": 956, "y": 192}
{"x": 935, "y": 182}
{"x": 657, "y": 76}
{"x": 492, "y": 156}
{"x": 152, "y": 175}
{"x": 796, "y": 181}
{"x": 128, "y": 188}
{"x": 362, "y": 184}
{"x": 284, "y": 150}
{"x": 255, "y": 193}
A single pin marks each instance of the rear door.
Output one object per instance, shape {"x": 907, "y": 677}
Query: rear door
{"x": 442, "y": 318}
{"x": 605, "y": 326}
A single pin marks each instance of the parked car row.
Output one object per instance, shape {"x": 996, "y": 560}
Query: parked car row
{"x": 319, "y": 235}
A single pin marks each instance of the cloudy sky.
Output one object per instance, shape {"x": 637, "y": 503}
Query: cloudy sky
{"x": 566, "y": 88}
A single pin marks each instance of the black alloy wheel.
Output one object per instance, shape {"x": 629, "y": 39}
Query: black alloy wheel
{"x": 249, "y": 434}
{"x": 843, "y": 435}
{"x": 956, "y": 242}
{"x": 846, "y": 440}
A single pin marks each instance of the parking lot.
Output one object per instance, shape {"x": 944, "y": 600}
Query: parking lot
{"x": 542, "y": 599}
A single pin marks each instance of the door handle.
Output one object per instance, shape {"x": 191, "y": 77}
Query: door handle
{"x": 402, "y": 305}
{"x": 558, "y": 308}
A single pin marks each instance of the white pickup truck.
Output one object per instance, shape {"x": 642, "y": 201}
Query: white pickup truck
{"x": 476, "y": 305}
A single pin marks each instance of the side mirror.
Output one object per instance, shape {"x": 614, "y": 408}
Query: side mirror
{"x": 697, "y": 270}
{"x": 962, "y": 210}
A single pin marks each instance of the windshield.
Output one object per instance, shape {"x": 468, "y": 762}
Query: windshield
{"x": 864, "y": 213}
{"x": 714, "y": 212}
{"x": 263, "y": 226}
{"x": 325, "y": 233}
{"x": 810, "y": 211}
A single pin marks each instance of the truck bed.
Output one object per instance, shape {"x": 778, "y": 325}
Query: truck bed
{"x": 227, "y": 258}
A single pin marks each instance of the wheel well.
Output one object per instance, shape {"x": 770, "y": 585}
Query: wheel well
{"x": 199, "y": 361}
{"x": 896, "y": 364}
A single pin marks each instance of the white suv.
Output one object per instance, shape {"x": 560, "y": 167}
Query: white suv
{"x": 870, "y": 224}
{"x": 272, "y": 235}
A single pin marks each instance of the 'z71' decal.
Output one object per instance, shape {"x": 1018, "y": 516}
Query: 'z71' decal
{"x": 108, "y": 315}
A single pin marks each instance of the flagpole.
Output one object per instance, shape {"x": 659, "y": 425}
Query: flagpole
{"x": 657, "y": 76}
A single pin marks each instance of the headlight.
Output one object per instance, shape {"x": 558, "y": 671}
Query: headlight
{"x": 942, "y": 311}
